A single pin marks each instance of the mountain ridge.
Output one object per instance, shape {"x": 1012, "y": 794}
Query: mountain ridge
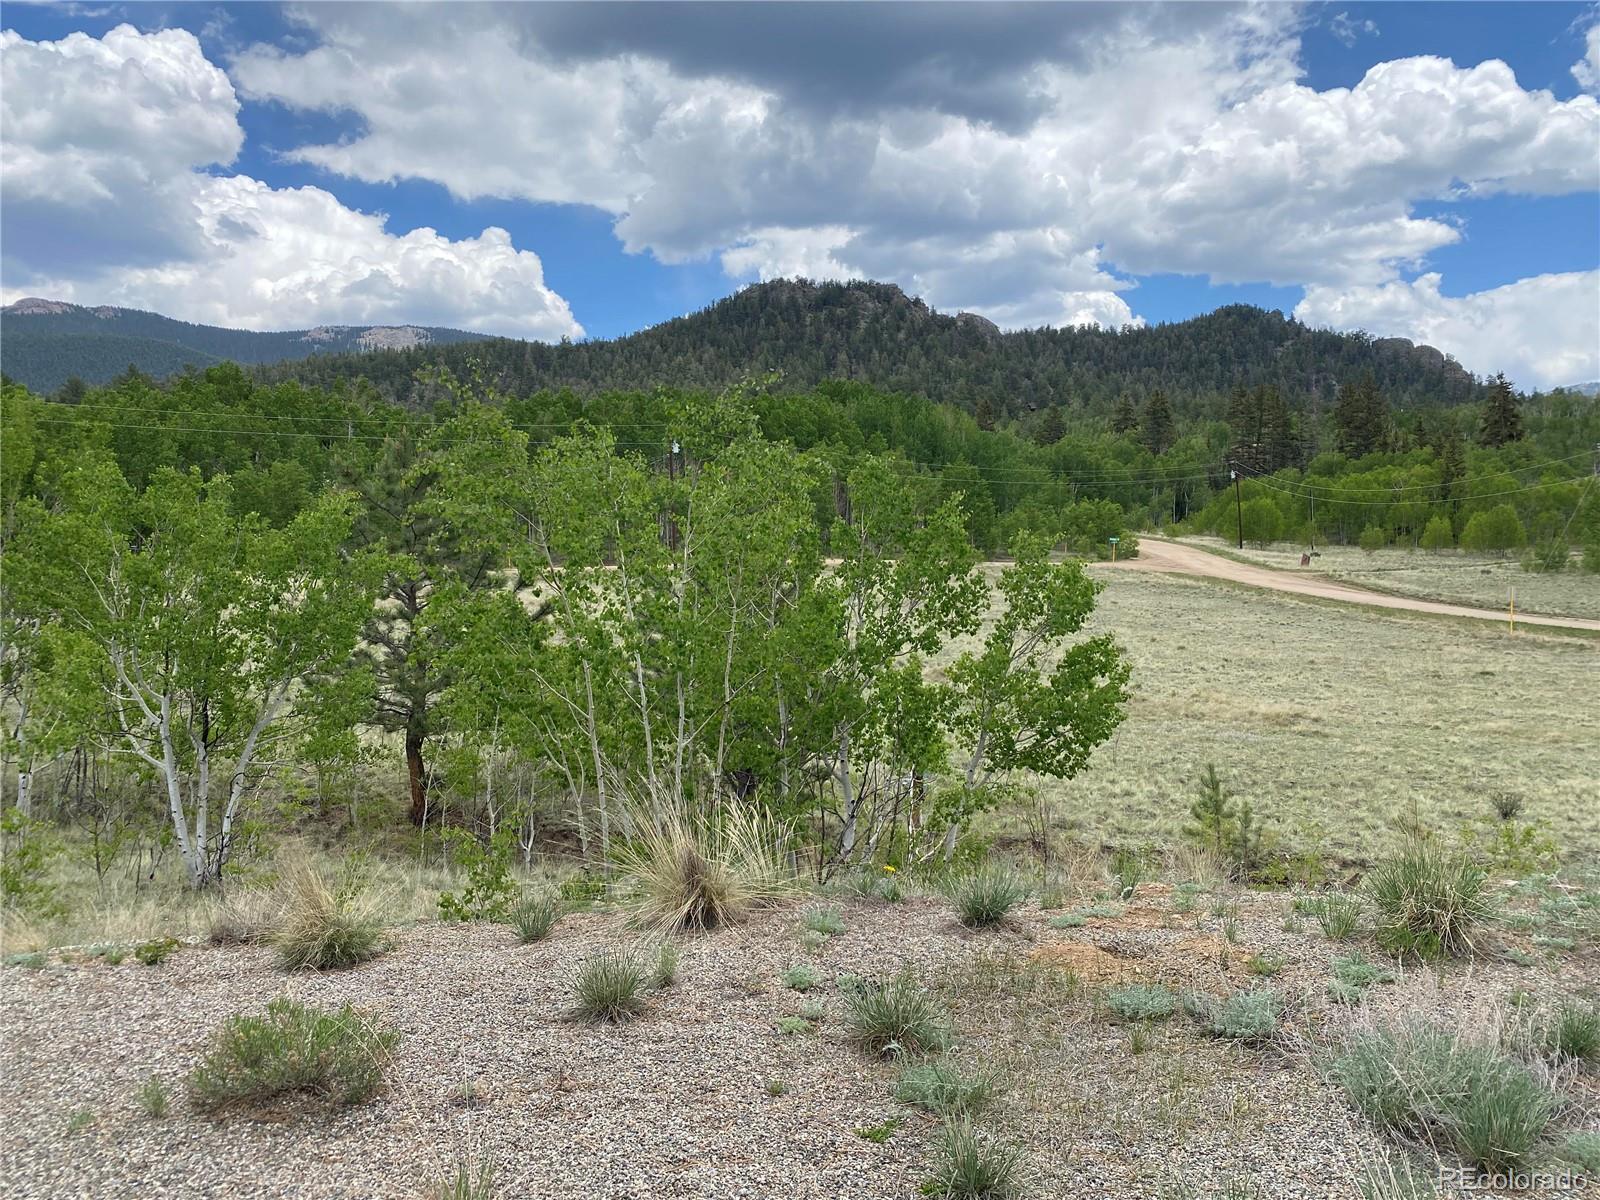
{"x": 44, "y": 342}
{"x": 799, "y": 330}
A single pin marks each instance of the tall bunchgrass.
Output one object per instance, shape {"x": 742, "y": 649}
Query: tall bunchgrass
{"x": 324, "y": 927}
{"x": 900, "y": 1016}
{"x": 971, "y": 1166}
{"x": 1430, "y": 900}
{"x": 691, "y": 873}
{"x": 985, "y": 895}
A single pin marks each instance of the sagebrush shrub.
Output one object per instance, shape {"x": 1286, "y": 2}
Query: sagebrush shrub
{"x": 1353, "y": 975}
{"x": 611, "y": 986}
{"x": 896, "y": 1017}
{"x": 985, "y": 895}
{"x": 971, "y": 1166}
{"x": 1141, "y": 1002}
{"x": 293, "y": 1047}
{"x": 324, "y": 928}
{"x": 824, "y": 921}
{"x": 1429, "y": 900}
{"x": 1582, "y": 1149}
{"x": 944, "y": 1088}
{"x": 802, "y": 977}
{"x": 535, "y": 916}
{"x": 702, "y": 874}
{"x": 1246, "y": 1016}
{"x": 1423, "y": 1080}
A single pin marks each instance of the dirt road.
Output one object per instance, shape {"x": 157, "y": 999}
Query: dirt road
{"x": 1158, "y": 555}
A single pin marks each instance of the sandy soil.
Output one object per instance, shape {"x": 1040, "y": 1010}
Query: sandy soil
{"x": 677, "y": 1103}
{"x": 1158, "y": 555}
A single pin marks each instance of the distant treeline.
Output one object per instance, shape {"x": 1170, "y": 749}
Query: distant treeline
{"x": 1356, "y": 468}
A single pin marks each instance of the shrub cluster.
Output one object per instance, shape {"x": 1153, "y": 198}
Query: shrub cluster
{"x": 702, "y": 874}
{"x": 293, "y": 1048}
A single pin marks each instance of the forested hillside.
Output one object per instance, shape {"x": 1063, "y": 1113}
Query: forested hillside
{"x": 45, "y": 343}
{"x": 874, "y": 333}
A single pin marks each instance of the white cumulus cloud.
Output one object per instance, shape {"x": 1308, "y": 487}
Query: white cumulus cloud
{"x": 1587, "y": 69}
{"x": 107, "y": 200}
{"x": 1543, "y": 331}
{"x": 1157, "y": 145}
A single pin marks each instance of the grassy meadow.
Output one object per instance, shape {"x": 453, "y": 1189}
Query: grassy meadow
{"x": 1335, "y": 721}
{"x": 1454, "y": 577}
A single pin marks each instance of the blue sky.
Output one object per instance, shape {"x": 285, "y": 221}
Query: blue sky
{"x": 1357, "y": 164}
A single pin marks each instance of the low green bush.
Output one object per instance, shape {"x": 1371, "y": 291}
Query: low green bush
{"x": 802, "y": 977}
{"x": 896, "y": 1017}
{"x": 1246, "y": 1016}
{"x": 153, "y": 1097}
{"x": 1582, "y": 1149}
{"x": 156, "y": 951}
{"x": 824, "y": 921}
{"x": 293, "y": 1047}
{"x": 1353, "y": 975}
{"x": 1141, "y": 1002}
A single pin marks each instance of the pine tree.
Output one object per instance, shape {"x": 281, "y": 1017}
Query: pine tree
{"x": 1158, "y": 422}
{"x": 984, "y": 412}
{"x": 1275, "y": 430}
{"x": 1452, "y": 464}
{"x": 1361, "y": 415}
{"x": 1052, "y": 428}
{"x": 1126, "y": 418}
{"x": 1502, "y": 419}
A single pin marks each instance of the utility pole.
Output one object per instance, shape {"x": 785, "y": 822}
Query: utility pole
{"x": 1238, "y": 505}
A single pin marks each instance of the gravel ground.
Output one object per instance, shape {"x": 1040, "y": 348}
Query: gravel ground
{"x": 676, "y": 1103}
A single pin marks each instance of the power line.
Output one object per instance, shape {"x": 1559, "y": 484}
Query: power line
{"x": 1532, "y": 487}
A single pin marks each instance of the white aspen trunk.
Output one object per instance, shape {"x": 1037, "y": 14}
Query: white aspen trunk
{"x": 847, "y": 838}
{"x": 241, "y": 769}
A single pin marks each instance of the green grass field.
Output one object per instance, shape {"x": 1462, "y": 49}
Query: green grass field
{"x": 1334, "y": 720}
{"x": 1454, "y": 577}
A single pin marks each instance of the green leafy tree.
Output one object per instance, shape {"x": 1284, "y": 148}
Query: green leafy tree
{"x": 203, "y": 626}
{"x": 1373, "y": 537}
{"x": 1438, "y": 534}
{"x": 1494, "y": 531}
{"x": 1028, "y": 700}
{"x": 1262, "y": 520}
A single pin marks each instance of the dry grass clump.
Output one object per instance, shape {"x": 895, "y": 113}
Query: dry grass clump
{"x": 700, "y": 873}
{"x": 242, "y": 917}
{"x": 323, "y": 927}
{"x": 293, "y": 1048}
